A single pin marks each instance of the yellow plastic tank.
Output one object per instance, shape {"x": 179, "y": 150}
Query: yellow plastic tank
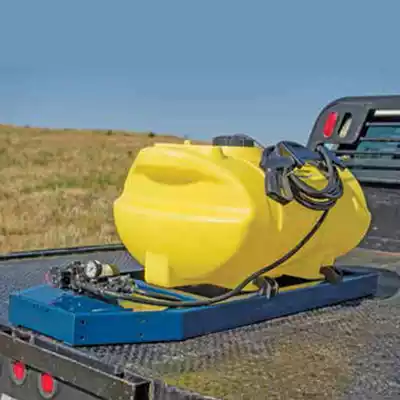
{"x": 199, "y": 214}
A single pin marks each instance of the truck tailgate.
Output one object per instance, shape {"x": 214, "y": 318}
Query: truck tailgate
{"x": 349, "y": 351}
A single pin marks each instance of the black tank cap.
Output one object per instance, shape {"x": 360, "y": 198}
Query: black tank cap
{"x": 233, "y": 140}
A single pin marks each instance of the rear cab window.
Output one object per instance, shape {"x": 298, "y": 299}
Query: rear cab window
{"x": 375, "y": 155}
{"x": 382, "y": 142}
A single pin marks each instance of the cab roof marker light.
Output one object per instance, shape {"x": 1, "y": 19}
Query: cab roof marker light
{"x": 330, "y": 124}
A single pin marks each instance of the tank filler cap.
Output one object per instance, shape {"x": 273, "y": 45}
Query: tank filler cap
{"x": 233, "y": 140}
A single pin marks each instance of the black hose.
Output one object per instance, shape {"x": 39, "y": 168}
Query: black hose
{"x": 318, "y": 200}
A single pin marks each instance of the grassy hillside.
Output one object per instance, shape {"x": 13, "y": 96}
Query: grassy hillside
{"x": 57, "y": 186}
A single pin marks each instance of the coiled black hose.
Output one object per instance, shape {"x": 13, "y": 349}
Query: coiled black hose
{"x": 315, "y": 199}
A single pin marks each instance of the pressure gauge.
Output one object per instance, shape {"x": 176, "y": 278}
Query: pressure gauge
{"x": 93, "y": 269}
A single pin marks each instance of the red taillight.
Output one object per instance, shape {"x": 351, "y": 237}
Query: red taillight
{"x": 18, "y": 372}
{"x": 330, "y": 124}
{"x": 47, "y": 386}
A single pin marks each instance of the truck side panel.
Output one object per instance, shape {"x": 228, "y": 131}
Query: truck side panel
{"x": 75, "y": 379}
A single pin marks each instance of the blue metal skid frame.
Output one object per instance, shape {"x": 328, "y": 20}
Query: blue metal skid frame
{"x": 80, "y": 321}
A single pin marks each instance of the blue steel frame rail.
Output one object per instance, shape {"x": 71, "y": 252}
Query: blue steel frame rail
{"x": 80, "y": 320}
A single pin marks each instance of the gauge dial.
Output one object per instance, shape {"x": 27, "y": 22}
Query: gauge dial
{"x": 93, "y": 269}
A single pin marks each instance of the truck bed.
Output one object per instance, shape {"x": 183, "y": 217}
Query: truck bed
{"x": 350, "y": 351}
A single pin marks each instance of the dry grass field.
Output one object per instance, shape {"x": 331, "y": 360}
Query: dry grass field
{"x": 57, "y": 186}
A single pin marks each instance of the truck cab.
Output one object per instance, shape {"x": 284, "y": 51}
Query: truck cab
{"x": 365, "y": 133}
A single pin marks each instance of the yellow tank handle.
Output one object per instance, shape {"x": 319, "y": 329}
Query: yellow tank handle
{"x": 165, "y": 164}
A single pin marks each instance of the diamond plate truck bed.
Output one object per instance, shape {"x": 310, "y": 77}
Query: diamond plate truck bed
{"x": 350, "y": 351}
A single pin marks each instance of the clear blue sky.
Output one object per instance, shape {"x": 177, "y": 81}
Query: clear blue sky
{"x": 196, "y": 68}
